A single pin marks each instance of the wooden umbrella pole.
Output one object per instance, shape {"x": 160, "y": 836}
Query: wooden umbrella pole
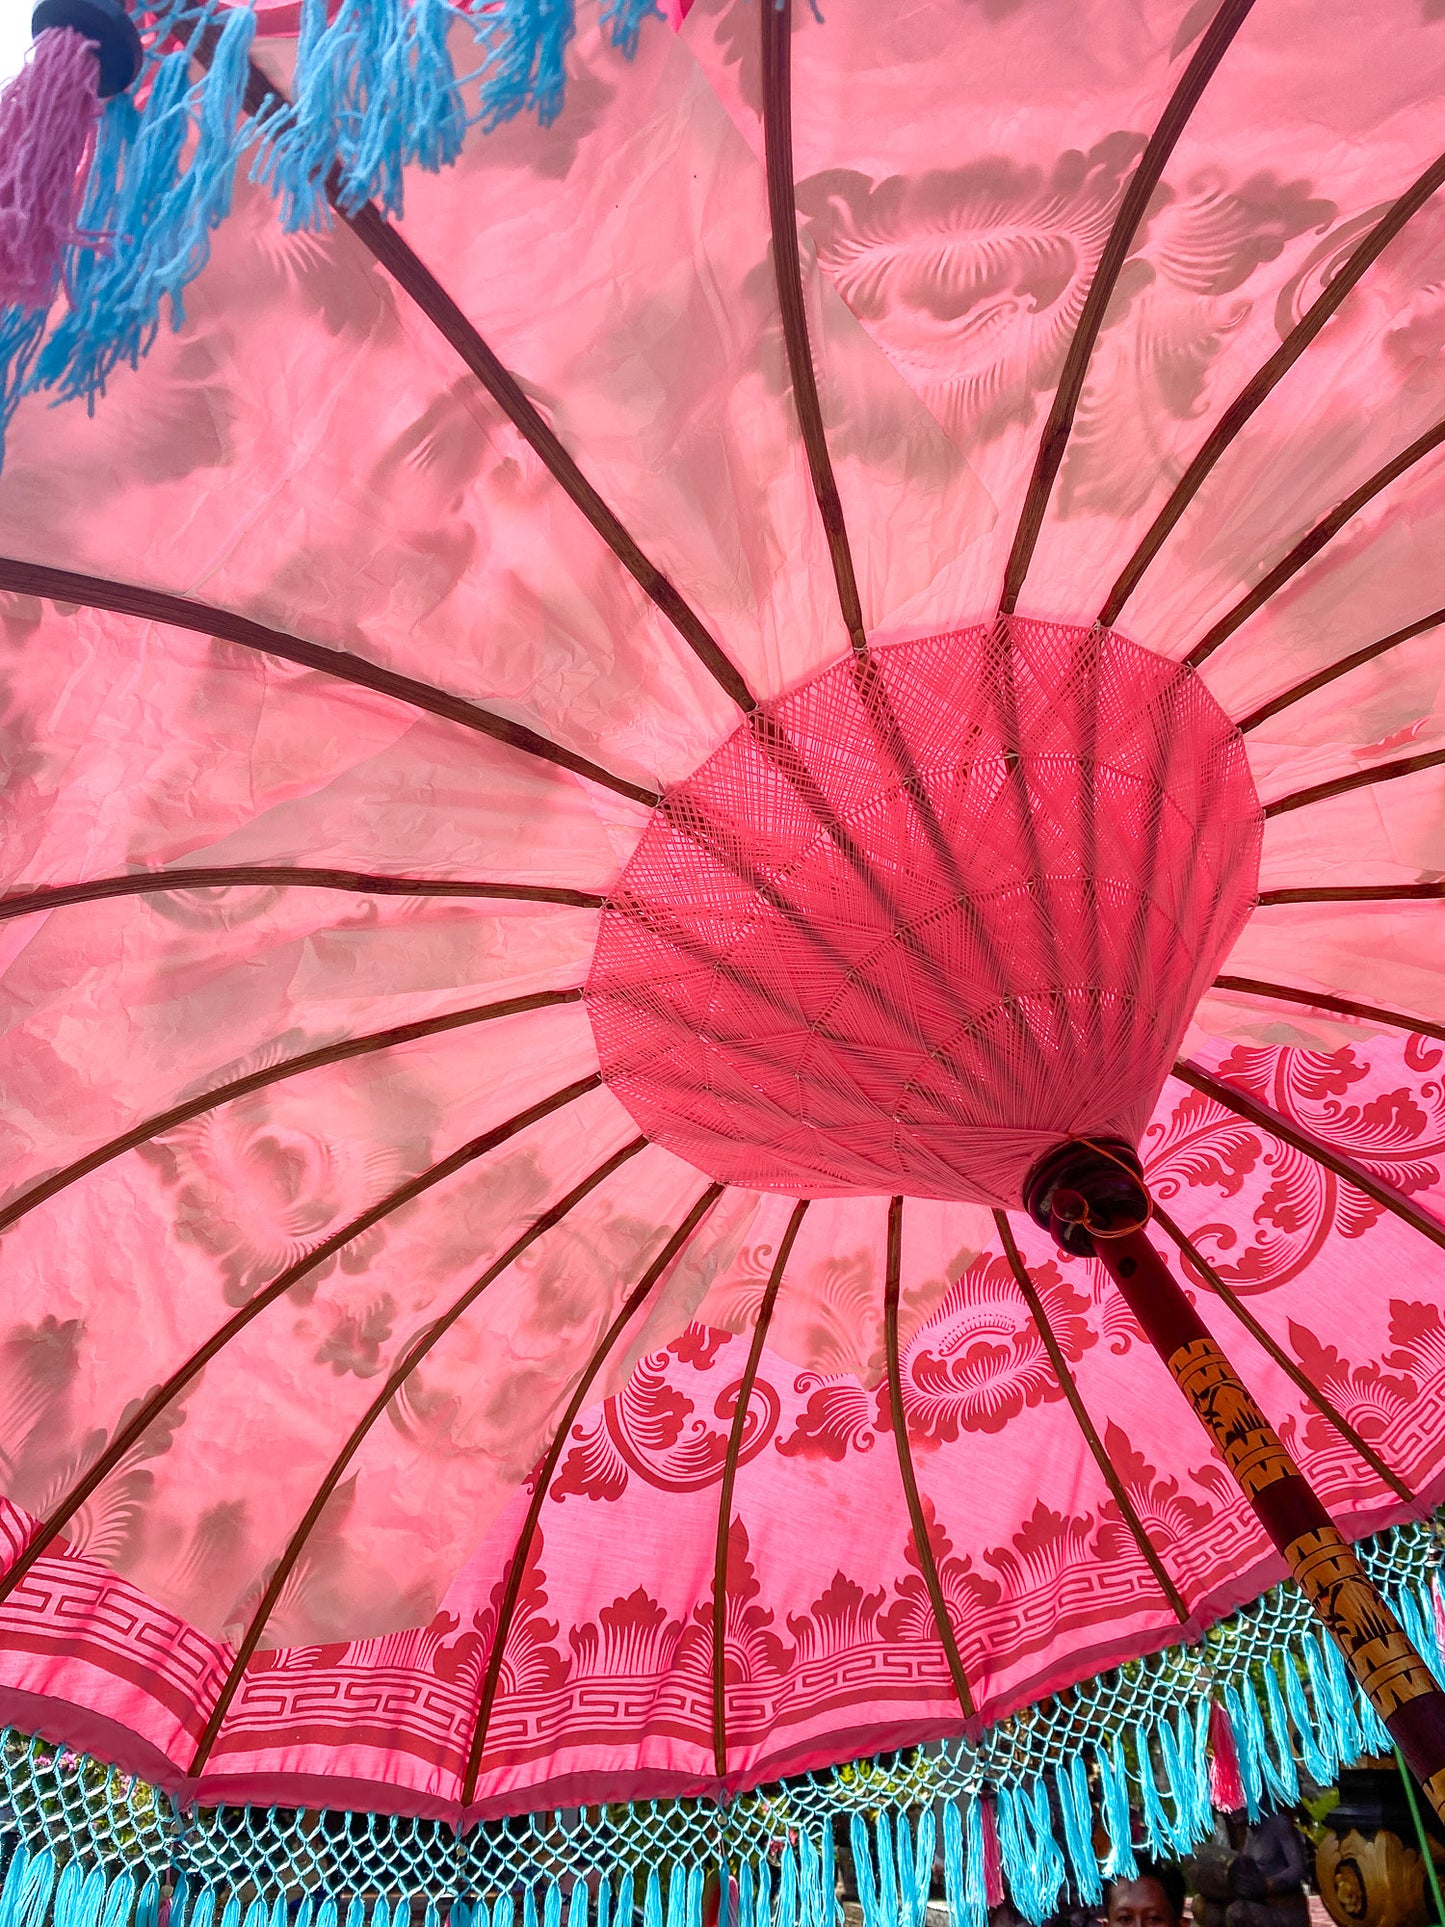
{"x": 1093, "y": 1199}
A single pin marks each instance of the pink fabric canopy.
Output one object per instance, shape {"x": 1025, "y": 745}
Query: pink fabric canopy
{"x": 392, "y": 1198}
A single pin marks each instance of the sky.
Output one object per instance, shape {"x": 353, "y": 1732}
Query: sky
{"x": 14, "y": 34}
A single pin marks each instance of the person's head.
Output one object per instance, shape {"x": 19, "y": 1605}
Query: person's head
{"x": 1153, "y": 1898}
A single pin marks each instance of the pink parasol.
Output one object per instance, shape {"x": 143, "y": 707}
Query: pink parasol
{"x": 603, "y": 778}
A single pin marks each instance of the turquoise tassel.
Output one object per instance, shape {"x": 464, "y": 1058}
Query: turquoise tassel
{"x": 529, "y": 1909}
{"x": 1246, "y": 1741}
{"x": 1157, "y": 1830}
{"x": 1319, "y": 1763}
{"x": 863, "y": 1871}
{"x": 29, "y": 1884}
{"x": 626, "y": 1904}
{"x": 551, "y": 1906}
{"x": 1181, "y": 1786}
{"x": 694, "y": 1897}
{"x": 810, "y": 1895}
{"x": 1077, "y": 1813}
{"x": 576, "y": 1905}
{"x": 1052, "y": 1875}
{"x": 1114, "y": 1784}
{"x": 119, "y": 1901}
{"x": 204, "y": 1911}
{"x": 975, "y": 1892}
{"x": 887, "y": 1876}
{"x": 745, "y": 1896}
{"x": 525, "y": 68}
{"x": 622, "y": 20}
{"x": 763, "y": 1916}
{"x": 787, "y": 1890}
{"x": 832, "y": 1914}
{"x": 258, "y": 1914}
{"x": 1333, "y": 1684}
{"x": 651, "y": 1901}
{"x": 955, "y": 1890}
{"x": 1283, "y": 1774}
{"x": 925, "y": 1841}
{"x": 604, "y": 1905}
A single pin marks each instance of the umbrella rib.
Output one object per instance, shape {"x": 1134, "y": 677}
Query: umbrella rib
{"x": 1253, "y": 393}
{"x": 205, "y": 619}
{"x": 1287, "y": 1364}
{"x": 522, "y": 1552}
{"x": 1070, "y": 1388}
{"x": 135, "y": 1428}
{"x": 1309, "y": 546}
{"x": 1310, "y": 1147}
{"x": 1354, "y": 893}
{"x": 1322, "y": 678}
{"x": 777, "y": 21}
{"x": 1344, "y": 1006}
{"x": 729, "y": 1480}
{"x": 927, "y": 1564}
{"x": 1356, "y": 780}
{"x": 410, "y": 273}
{"x": 336, "y": 1053}
{"x": 776, "y": 29}
{"x": 1132, "y": 209}
{"x": 415, "y": 1354}
{"x": 145, "y": 883}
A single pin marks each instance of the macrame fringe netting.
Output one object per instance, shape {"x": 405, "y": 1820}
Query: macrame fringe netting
{"x": 1139, "y": 1757}
{"x": 377, "y": 88}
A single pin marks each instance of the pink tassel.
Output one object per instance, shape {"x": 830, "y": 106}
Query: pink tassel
{"x": 992, "y": 1858}
{"x": 48, "y": 115}
{"x": 1226, "y": 1784}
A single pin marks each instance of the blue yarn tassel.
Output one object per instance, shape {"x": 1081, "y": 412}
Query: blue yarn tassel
{"x": 745, "y": 1896}
{"x": 29, "y": 1883}
{"x": 887, "y": 1876}
{"x": 1319, "y": 1761}
{"x": 576, "y": 1905}
{"x": 163, "y": 215}
{"x": 622, "y": 21}
{"x": 1247, "y": 1741}
{"x": 787, "y": 1890}
{"x": 925, "y": 1841}
{"x": 552, "y": 1905}
{"x": 975, "y": 1892}
{"x": 1114, "y": 1787}
{"x": 764, "y": 1914}
{"x": 863, "y": 1871}
{"x": 1157, "y": 1830}
{"x": 1333, "y": 1685}
{"x": 955, "y": 1880}
{"x": 1078, "y": 1816}
{"x": 810, "y": 1896}
{"x": 204, "y": 1910}
{"x": 1052, "y": 1875}
{"x": 119, "y": 1901}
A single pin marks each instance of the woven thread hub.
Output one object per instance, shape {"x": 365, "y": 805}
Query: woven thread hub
{"x": 928, "y": 914}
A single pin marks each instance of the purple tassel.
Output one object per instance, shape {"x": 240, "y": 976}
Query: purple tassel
{"x": 48, "y": 116}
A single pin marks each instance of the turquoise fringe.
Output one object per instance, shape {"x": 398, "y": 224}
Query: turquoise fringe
{"x": 376, "y": 92}
{"x": 1290, "y": 1700}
